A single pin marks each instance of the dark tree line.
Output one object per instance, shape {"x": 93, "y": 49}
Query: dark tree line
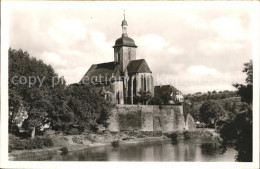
{"x": 42, "y": 100}
{"x": 233, "y": 122}
{"x": 199, "y": 97}
{"x": 236, "y": 131}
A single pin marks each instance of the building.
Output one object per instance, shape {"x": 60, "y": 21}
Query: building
{"x": 175, "y": 95}
{"x": 122, "y": 79}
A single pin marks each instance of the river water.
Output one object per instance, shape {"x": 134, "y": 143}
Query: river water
{"x": 198, "y": 149}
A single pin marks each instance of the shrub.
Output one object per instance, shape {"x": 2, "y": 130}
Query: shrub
{"x": 174, "y": 136}
{"x": 15, "y": 143}
{"x": 73, "y": 131}
{"x": 186, "y": 135}
{"x": 115, "y": 143}
{"x": 64, "y": 150}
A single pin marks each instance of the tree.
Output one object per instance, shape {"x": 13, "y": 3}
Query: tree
{"x": 144, "y": 97}
{"x": 237, "y": 132}
{"x": 188, "y": 108}
{"x": 211, "y": 112}
{"x": 31, "y": 85}
{"x": 89, "y": 108}
{"x": 156, "y": 100}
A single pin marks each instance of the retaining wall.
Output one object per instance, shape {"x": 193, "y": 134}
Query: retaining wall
{"x": 167, "y": 118}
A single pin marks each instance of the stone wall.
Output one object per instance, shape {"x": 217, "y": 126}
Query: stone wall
{"x": 190, "y": 123}
{"x": 149, "y": 118}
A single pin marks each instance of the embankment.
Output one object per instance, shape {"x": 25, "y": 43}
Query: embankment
{"x": 166, "y": 118}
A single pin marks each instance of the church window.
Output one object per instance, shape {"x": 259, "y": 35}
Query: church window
{"x": 145, "y": 83}
{"x": 148, "y": 84}
{"x": 118, "y": 57}
{"x": 129, "y": 53}
{"x": 142, "y": 82}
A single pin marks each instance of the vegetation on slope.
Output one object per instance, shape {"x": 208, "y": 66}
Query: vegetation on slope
{"x": 34, "y": 99}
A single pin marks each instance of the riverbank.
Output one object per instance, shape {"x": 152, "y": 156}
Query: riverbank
{"x": 86, "y": 140}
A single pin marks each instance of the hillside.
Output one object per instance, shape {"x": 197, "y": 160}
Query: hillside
{"x": 222, "y": 102}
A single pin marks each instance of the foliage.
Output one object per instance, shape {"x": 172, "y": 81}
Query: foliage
{"x": 186, "y": 135}
{"x": 199, "y": 97}
{"x": 161, "y": 100}
{"x": 248, "y": 69}
{"x": 166, "y": 97}
{"x": 15, "y": 143}
{"x": 245, "y": 91}
{"x": 190, "y": 109}
{"x": 115, "y": 143}
{"x": 237, "y": 132}
{"x": 40, "y": 98}
{"x": 173, "y": 136}
{"x": 45, "y": 98}
{"x": 89, "y": 108}
{"x": 210, "y": 112}
{"x": 143, "y": 97}
{"x": 64, "y": 150}
{"x": 156, "y": 101}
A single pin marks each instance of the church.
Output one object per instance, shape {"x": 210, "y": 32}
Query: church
{"x": 121, "y": 80}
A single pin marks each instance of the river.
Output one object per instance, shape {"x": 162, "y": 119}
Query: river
{"x": 196, "y": 149}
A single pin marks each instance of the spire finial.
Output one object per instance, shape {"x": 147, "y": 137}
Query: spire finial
{"x": 124, "y": 26}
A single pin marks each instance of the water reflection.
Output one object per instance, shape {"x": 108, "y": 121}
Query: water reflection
{"x": 183, "y": 150}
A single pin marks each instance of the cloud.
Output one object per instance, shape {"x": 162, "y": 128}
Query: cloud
{"x": 53, "y": 59}
{"x": 73, "y": 75}
{"x": 175, "y": 51}
{"x": 228, "y": 28}
{"x": 99, "y": 40}
{"x": 152, "y": 42}
{"x": 196, "y": 48}
{"x": 202, "y": 70}
{"x": 68, "y": 31}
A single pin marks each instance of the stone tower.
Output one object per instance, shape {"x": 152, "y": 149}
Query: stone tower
{"x": 124, "y": 48}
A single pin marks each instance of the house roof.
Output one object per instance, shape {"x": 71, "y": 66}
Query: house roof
{"x": 103, "y": 70}
{"x": 111, "y": 69}
{"x": 159, "y": 90}
{"x": 138, "y": 66}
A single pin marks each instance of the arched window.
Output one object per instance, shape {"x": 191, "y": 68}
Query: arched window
{"x": 142, "y": 82}
{"x": 129, "y": 53}
{"x": 134, "y": 86}
{"x": 148, "y": 83}
{"x": 118, "y": 57}
{"x": 145, "y": 83}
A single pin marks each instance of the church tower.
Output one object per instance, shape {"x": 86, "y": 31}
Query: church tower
{"x": 124, "y": 48}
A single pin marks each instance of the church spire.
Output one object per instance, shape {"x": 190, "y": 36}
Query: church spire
{"x": 124, "y": 26}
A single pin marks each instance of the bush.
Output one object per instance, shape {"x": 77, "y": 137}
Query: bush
{"x": 115, "y": 143}
{"x": 186, "y": 135}
{"x": 64, "y": 150}
{"x": 173, "y": 136}
{"x": 73, "y": 131}
{"x": 15, "y": 143}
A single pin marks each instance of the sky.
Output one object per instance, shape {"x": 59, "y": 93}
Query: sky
{"x": 194, "y": 48}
